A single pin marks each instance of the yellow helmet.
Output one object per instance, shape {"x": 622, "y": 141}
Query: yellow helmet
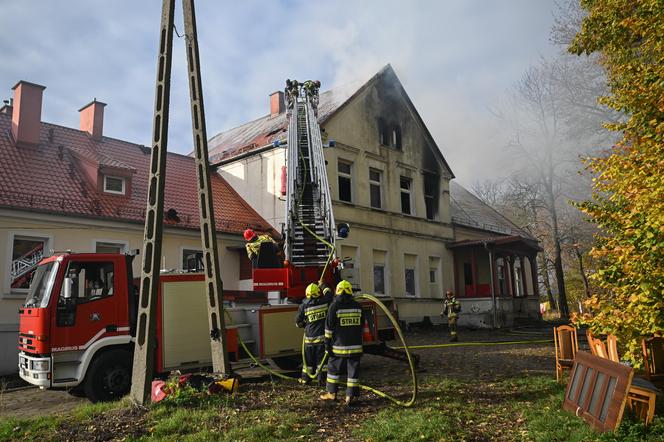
{"x": 344, "y": 287}
{"x": 312, "y": 290}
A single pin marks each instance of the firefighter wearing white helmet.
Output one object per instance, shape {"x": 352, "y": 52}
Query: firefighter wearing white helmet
{"x": 343, "y": 341}
{"x": 311, "y": 315}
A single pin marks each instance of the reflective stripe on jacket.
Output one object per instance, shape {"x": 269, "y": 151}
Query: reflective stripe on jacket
{"x": 343, "y": 327}
{"x": 313, "y": 312}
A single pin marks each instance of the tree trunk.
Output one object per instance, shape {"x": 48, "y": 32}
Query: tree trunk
{"x": 555, "y": 234}
{"x": 544, "y": 273}
{"x": 582, "y": 271}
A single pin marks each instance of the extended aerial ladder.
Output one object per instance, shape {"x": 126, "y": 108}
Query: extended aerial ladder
{"x": 309, "y": 228}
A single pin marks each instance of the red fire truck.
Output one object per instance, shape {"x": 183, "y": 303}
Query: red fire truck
{"x": 77, "y": 326}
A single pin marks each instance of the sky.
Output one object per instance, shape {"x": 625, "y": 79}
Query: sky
{"x": 456, "y": 59}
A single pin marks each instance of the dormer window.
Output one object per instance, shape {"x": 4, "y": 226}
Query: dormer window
{"x": 114, "y": 184}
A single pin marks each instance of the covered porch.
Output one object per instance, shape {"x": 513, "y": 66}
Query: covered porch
{"x": 495, "y": 280}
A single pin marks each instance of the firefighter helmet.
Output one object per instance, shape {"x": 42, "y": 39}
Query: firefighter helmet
{"x": 249, "y": 234}
{"x": 344, "y": 287}
{"x": 312, "y": 290}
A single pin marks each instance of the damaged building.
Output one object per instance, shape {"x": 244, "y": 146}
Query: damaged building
{"x": 414, "y": 232}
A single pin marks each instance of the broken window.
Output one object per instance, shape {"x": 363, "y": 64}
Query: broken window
{"x": 344, "y": 172}
{"x": 406, "y": 184}
{"x": 431, "y": 191}
{"x": 383, "y": 133}
{"x": 375, "y": 189}
{"x": 395, "y": 140}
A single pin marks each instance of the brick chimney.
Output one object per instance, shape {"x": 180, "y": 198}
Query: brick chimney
{"x": 92, "y": 119}
{"x": 26, "y": 113}
{"x": 277, "y": 105}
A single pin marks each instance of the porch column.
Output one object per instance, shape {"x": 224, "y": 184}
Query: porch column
{"x": 509, "y": 275}
{"x": 473, "y": 263}
{"x": 533, "y": 271}
{"x": 523, "y": 275}
{"x": 492, "y": 274}
{"x": 456, "y": 274}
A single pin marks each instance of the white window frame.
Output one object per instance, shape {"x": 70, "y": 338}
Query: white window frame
{"x": 115, "y": 192}
{"x": 408, "y": 191}
{"x": 118, "y": 242}
{"x": 345, "y": 175}
{"x": 378, "y": 183}
{"x": 8, "y": 292}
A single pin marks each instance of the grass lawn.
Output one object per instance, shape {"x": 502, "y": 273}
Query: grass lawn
{"x": 517, "y": 408}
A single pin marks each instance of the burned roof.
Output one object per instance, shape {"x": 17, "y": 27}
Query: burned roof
{"x": 264, "y": 131}
{"x": 470, "y": 211}
{"x": 267, "y": 129}
{"x": 55, "y": 177}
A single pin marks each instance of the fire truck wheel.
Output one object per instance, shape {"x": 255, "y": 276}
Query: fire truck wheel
{"x": 109, "y": 376}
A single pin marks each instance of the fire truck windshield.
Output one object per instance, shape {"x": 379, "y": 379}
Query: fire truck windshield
{"x": 42, "y": 285}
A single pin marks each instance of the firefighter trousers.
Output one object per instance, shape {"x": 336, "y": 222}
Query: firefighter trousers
{"x": 313, "y": 356}
{"x": 337, "y": 367}
{"x": 451, "y": 323}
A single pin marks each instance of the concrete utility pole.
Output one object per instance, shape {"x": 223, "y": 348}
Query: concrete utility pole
{"x": 145, "y": 345}
{"x": 144, "y": 352}
{"x": 213, "y": 283}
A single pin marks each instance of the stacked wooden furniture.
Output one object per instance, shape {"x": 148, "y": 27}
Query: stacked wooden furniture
{"x": 642, "y": 394}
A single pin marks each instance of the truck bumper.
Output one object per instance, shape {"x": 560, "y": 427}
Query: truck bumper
{"x": 35, "y": 370}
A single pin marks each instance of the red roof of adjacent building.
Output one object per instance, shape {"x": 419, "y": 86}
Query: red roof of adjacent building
{"x": 52, "y": 178}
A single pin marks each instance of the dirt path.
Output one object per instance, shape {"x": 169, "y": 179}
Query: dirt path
{"x": 481, "y": 363}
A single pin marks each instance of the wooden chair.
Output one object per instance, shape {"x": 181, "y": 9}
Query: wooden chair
{"x": 597, "y": 346}
{"x": 567, "y": 345}
{"x": 642, "y": 394}
{"x": 653, "y": 356}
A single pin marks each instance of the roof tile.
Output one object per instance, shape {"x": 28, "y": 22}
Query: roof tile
{"x": 47, "y": 179}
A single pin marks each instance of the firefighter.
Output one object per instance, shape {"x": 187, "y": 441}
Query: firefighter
{"x": 451, "y": 309}
{"x": 290, "y": 94}
{"x": 311, "y": 316}
{"x": 311, "y": 88}
{"x": 343, "y": 342}
{"x": 253, "y": 246}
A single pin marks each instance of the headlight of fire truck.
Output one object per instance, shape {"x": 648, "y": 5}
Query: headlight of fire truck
{"x": 40, "y": 365}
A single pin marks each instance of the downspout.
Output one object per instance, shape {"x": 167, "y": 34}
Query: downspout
{"x": 492, "y": 285}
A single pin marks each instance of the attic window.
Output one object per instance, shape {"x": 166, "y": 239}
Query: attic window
{"x": 114, "y": 184}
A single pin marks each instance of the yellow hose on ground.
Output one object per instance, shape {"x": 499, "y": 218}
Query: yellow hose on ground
{"x": 469, "y": 344}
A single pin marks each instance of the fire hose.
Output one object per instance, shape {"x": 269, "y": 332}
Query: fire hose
{"x": 376, "y": 391}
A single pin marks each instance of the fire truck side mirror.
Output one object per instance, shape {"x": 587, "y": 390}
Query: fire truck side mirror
{"x": 66, "y": 290}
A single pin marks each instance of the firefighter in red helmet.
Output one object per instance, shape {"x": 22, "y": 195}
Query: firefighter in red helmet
{"x": 255, "y": 245}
